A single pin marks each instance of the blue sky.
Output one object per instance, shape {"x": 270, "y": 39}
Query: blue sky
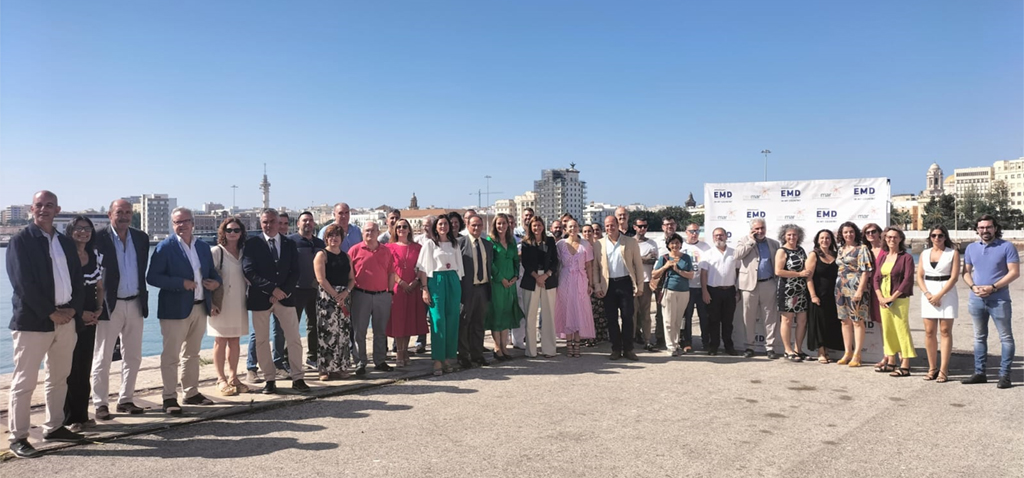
{"x": 367, "y": 102}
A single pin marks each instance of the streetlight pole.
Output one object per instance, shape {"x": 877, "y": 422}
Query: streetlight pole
{"x": 766, "y": 152}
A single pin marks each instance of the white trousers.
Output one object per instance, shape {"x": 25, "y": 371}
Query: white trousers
{"x": 126, "y": 322}
{"x": 289, "y": 321}
{"x": 518, "y": 334}
{"x": 182, "y": 341}
{"x": 30, "y": 350}
{"x": 543, "y": 299}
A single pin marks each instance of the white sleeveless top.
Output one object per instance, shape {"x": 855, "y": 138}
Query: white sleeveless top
{"x": 950, "y": 303}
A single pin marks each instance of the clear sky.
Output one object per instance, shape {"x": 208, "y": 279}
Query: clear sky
{"x": 367, "y": 102}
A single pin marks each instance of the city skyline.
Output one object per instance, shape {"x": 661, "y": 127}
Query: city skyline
{"x": 190, "y": 98}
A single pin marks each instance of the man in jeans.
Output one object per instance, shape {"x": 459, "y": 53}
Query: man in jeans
{"x": 991, "y": 264}
{"x": 306, "y": 290}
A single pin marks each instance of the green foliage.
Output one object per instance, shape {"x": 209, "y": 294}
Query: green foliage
{"x": 899, "y": 217}
{"x": 940, "y": 210}
{"x": 654, "y": 218}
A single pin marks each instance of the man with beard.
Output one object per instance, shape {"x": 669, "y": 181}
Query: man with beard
{"x": 718, "y": 284}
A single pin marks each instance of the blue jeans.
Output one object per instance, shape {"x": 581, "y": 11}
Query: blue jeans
{"x": 999, "y": 310}
{"x": 277, "y": 342}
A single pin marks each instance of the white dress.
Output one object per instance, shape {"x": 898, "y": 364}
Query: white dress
{"x": 233, "y": 319}
{"x": 947, "y": 308}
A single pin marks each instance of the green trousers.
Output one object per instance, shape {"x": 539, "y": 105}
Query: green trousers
{"x": 446, "y": 293}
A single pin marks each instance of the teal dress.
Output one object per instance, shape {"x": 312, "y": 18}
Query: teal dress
{"x": 504, "y": 313}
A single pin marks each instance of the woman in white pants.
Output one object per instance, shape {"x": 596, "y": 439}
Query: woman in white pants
{"x": 540, "y": 278}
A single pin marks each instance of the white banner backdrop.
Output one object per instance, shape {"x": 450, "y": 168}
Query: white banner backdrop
{"x": 811, "y": 204}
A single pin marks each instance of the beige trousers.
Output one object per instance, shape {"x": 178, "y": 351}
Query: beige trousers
{"x": 290, "y": 324}
{"x": 125, "y": 321}
{"x": 673, "y": 304}
{"x": 543, "y": 299}
{"x": 30, "y": 350}
{"x": 182, "y": 341}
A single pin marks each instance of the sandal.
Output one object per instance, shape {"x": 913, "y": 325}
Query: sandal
{"x": 886, "y": 368}
{"x": 226, "y": 389}
{"x": 942, "y": 378}
{"x": 823, "y": 359}
{"x": 932, "y": 373}
{"x": 576, "y": 348}
{"x": 901, "y": 372}
{"x": 855, "y": 362}
{"x": 881, "y": 363}
{"x": 843, "y": 361}
{"x": 325, "y": 377}
{"x": 239, "y": 386}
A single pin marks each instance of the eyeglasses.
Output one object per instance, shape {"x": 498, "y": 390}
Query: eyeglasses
{"x": 693, "y": 231}
{"x": 401, "y": 227}
{"x": 894, "y": 238}
{"x": 182, "y": 222}
{"x": 873, "y": 231}
{"x": 230, "y": 230}
{"x": 641, "y": 226}
{"x": 938, "y": 235}
{"x": 82, "y": 229}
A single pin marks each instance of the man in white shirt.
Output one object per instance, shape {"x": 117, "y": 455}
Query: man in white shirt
{"x": 644, "y": 327}
{"x": 718, "y": 284}
{"x": 696, "y": 249}
{"x": 620, "y": 281}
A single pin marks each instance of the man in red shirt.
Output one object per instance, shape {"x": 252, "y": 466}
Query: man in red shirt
{"x": 371, "y": 298}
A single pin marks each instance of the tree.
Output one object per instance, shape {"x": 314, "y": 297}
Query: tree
{"x": 971, "y": 204}
{"x": 940, "y": 210}
{"x": 698, "y": 218}
{"x": 900, "y": 217}
{"x": 681, "y": 215}
{"x": 998, "y": 204}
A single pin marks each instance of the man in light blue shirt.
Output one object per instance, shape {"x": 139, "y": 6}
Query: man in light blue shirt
{"x": 353, "y": 235}
{"x": 755, "y": 254}
{"x": 990, "y": 265}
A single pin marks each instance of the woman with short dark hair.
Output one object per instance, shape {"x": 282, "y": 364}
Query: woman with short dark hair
{"x": 894, "y": 284}
{"x": 673, "y": 273}
{"x": 76, "y": 405}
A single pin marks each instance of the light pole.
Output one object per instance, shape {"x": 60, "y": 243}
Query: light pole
{"x": 766, "y": 152}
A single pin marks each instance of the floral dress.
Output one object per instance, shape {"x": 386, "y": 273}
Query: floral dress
{"x": 792, "y": 292}
{"x": 852, "y": 265}
{"x": 334, "y": 321}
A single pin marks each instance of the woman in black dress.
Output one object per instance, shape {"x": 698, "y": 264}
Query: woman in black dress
{"x": 76, "y": 405}
{"x": 824, "y": 330}
{"x": 792, "y": 297}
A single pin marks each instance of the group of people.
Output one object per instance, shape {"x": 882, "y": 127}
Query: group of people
{"x": 78, "y": 293}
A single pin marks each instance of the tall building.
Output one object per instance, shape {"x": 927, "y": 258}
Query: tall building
{"x": 15, "y": 213}
{"x": 156, "y": 214}
{"x": 595, "y": 213}
{"x": 978, "y": 178}
{"x": 560, "y": 191}
{"x": 933, "y": 181}
{"x": 1011, "y": 172}
{"x": 265, "y": 187}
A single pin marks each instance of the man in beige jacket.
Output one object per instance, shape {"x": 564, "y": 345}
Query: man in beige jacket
{"x": 757, "y": 283}
{"x": 621, "y": 280}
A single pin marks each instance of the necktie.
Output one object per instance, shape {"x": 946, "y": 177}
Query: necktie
{"x": 273, "y": 249}
{"x": 479, "y": 263}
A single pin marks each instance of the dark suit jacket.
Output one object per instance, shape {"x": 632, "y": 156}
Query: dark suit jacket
{"x": 466, "y": 246}
{"x": 112, "y": 274}
{"x": 169, "y": 271}
{"x": 31, "y": 273}
{"x": 539, "y": 258}
{"x": 264, "y": 275}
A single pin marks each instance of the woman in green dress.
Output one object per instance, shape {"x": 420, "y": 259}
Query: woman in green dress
{"x": 504, "y": 313}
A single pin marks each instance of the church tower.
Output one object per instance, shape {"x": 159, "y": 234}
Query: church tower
{"x": 414, "y": 203}
{"x": 934, "y": 181}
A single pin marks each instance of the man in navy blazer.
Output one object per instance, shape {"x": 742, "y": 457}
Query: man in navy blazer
{"x": 270, "y": 262}
{"x": 46, "y": 276}
{"x": 183, "y": 270}
{"x": 125, "y": 250}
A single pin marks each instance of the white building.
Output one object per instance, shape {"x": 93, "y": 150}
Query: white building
{"x": 527, "y": 200}
{"x": 1011, "y": 172}
{"x": 560, "y": 191}
{"x": 933, "y": 181}
{"x": 15, "y": 212}
{"x": 978, "y": 178}
{"x": 156, "y": 214}
{"x": 595, "y": 212}
{"x": 506, "y": 206}
{"x": 99, "y": 220}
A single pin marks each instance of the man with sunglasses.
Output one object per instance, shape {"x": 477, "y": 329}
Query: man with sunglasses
{"x": 990, "y": 265}
{"x": 645, "y": 330}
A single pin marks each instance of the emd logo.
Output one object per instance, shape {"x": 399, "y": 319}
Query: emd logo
{"x": 721, "y": 194}
{"x": 827, "y": 214}
{"x": 755, "y": 214}
{"x": 863, "y": 191}
{"x": 790, "y": 193}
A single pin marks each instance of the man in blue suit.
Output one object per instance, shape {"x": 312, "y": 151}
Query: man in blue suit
{"x": 270, "y": 262}
{"x": 48, "y": 297}
{"x": 182, "y": 267}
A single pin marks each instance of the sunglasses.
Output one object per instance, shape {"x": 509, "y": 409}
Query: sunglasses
{"x": 230, "y": 230}
{"x": 873, "y": 231}
{"x": 692, "y": 231}
{"x": 938, "y": 235}
{"x": 641, "y": 226}
{"x": 401, "y": 227}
